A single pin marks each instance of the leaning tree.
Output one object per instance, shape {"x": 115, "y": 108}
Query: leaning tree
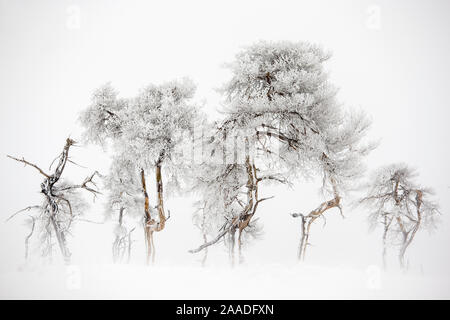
{"x": 400, "y": 206}
{"x": 62, "y": 204}
{"x": 281, "y": 106}
{"x": 340, "y": 165}
{"x": 145, "y": 131}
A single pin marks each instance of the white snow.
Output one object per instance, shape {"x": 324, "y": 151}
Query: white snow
{"x": 251, "y": 282}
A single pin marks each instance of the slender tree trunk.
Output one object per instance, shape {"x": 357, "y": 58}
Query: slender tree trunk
{"x": 302, "y": 238}
{"x": 306, "y": 238}
{"x": 205, "y": 239}
{"x": 152, "y": 242}
{"x": 409, "y": 236}
{"x": 129, "y": 245}
{"x": 401, "y": 255}
{"x": 241, "y": 259}
{"x": 148, "y": 232}
{"x": 384, "y": 254}
{"x": 117, "y": 241}
{"x": 27, "y": 239}
{"x": 205, "y": 255}
{"x": 160, "y": 225}
{"x": 160, "y": 192}
{"x": 250, "y": 208}
{"x": 385, "y": 234}
{"x": 61, "y": 240}
{"x": 232, "y": 246}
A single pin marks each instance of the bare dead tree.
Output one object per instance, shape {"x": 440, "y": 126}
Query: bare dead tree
{"x": 60, "y": 205}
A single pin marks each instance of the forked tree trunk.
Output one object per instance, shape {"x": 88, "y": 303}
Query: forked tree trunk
{"x": 151, "y": 225}
{"x": 308, "y": 220}
{"x": 408, "y": 236}
{"x": 320, "y": 210}
{"x": 242, "y": 221}
{"x": 304, "y": 242}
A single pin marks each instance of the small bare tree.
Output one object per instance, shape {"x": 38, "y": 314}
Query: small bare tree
{"x": 401, "y": 206}
{"x": 61, "y": 206}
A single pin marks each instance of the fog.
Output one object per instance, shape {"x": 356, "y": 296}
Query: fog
{"x": 389, "y": 59}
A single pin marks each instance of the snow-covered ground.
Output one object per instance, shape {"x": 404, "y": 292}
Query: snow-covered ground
{"x": 336, "y": 266}
{"x": 249, "y": 282}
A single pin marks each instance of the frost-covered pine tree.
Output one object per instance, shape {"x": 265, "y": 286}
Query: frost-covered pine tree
{"x": 400, "y": 205}
{"x": 62, "y": 205}
{"x": 144, "y": 132}
{"x": 282, "y": 112}
{"x": 125, "y": 198}
{"x": 229, "y": 194}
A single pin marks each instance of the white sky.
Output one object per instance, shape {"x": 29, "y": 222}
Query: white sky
{"x": 397, "y": 71}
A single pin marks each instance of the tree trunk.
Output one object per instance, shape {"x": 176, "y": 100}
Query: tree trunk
{"x": 302, "y": 239}
{"x": 129, "y": 245}
{"x": 205, "y": 239}
{"x": 384, "y": 250}
{"x": 385, "y": 234}
{"x": 401, "y": 255}
{"x": 232, "y": 246}
{"x": 117, "y": 241}
{"x": 147, "y": 218}
{"x": 159, "y": 188}
{"x": 61, "y": 240}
